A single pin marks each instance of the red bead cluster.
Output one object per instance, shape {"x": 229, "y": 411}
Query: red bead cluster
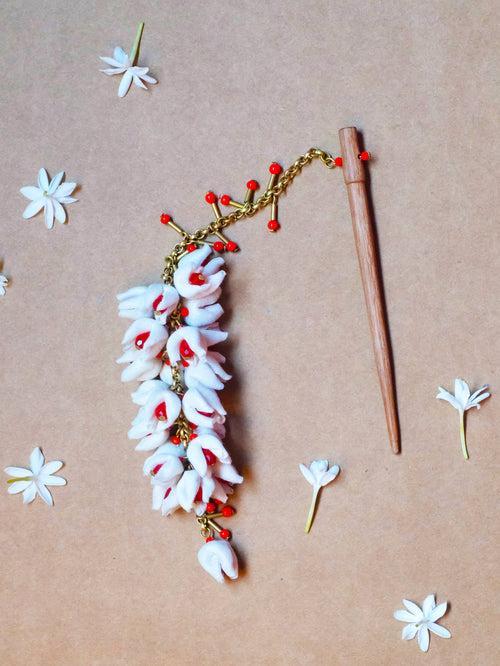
{"x": 212, "y": 511}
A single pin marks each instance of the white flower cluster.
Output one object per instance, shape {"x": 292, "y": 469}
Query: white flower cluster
{"x": 183, "y": 475}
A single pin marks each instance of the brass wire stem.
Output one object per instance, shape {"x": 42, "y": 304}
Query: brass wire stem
{"x": 249, "y": 208}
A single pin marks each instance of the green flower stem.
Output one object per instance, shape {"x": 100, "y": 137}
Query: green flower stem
{"x": 462, "y": 435}
{"x": 312, "y": 509}
{"x": 134, "y": 53}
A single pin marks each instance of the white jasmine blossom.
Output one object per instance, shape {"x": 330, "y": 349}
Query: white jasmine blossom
{"x": 3, "y": 283}
{"x": 121, "y": 63}
{"x": 462, "y": 401}
{"x": 33, "y": 480}
{"x": 422, "y": 620}
{"x": 50, "y": 196}
{"x": 318, "y": 475}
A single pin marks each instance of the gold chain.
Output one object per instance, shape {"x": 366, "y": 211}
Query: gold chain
{"x": 248, "y": 210}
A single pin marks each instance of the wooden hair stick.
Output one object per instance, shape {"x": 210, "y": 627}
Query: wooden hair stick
{"x": 366, "y": 247}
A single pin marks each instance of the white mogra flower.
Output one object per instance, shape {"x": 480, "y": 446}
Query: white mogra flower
{"x": 49, "y": 196}
{"x": 143, "y": 340}
{"x": 158, "y": 300}
{"x": 196, "y": 276}
{"x": 35, "y": 479}
{"x": 218, "y": 558}
{"x": 202, "y": 406}
{"x": 3, "y": 283}
{"x": 189, "y": 344}
{"x": 205, "y": 310}
{"x": 208, "y": 373}
{"x": 422, "y": 620}
{"x": 141, "y": 370}
{"x": 206, "y": 440}
{"x": 158, "y": 413}
{"x": 194, "y": 488}
{"x": 462, "y": 401}
{"x": 121, "y": 63}
{"x": 318, "y": 475}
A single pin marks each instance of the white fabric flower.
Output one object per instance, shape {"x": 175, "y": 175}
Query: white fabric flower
{"x": 196, "y": 276}
{"x": 33, "y": 480}
{"x": 49, "y": 196}
{"x": 158, "y": 300}
{"x": 159, "y": 413}
{"x": 202, "y": 406}
{"x": 141, "y": 370}
{"x": 218, "y": 558}
{"x": 121, "y": 64}
{"x": 205, "y": 440}
{"x": 189, "y": 344}
{"x": 462, "y": 401}
{"x": 193, "y": 488}
{"x": 165, "y": 469}
{"x": 209, "y": 372}
{"x": 318, "y": 475}
{"x": 203, "y": 311}
{"x": 3, "y": 283}
{"x": 144, "y": 340}
{"x": 422, "y": 620}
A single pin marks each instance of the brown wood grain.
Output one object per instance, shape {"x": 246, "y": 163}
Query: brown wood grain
{"x": 366, "y": 247}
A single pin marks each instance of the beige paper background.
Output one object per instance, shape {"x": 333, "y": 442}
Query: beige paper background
{"x": 100, "y": 579}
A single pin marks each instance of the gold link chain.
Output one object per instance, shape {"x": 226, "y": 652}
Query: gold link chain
{"x": 249, "y": 209}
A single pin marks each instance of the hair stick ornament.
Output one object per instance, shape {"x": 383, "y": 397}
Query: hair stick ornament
{"x": 168, "y": 349}
{"x": 366, "y": 247}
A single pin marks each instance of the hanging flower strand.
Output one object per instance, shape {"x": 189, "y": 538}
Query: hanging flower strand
{"x": 462, "y": 401}
{"x": 121, "y": 63}
{"x": 318, "y": 475}
{"x": 168, "y": 347}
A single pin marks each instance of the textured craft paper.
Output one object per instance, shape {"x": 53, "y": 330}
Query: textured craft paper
{"x": 102, "y": 580}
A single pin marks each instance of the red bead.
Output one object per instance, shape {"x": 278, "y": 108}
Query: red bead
{"x": 208, "y": 539}
{"x": 252, "y": 185}
{"x": 175, "y": 440}
{"x": 338, "y": 161}
{"x": 164, "y": 218}
{"x": 275, "y": 168}
{"x": 185, "y": 349}
{"x": 210, "y": 198}
{"x": 191, "y": 247}
{"x": 231, "y": 247}
{"x": 197, "y": 279}
{"x": 225, "y": 534}
{"x": 209, "y": 457}
{"x": 161, "y": 411}
{"x": 210, "y": 507}
{"x": 141, "y": 339}
{"x": 273, "y": 225}
{"x": 364, "y": 155}
{"x": 225, "y": 200}
{"x": 218, "y": 246}
{"x": 227, "y": 511}
{"x": 184, "y": 312}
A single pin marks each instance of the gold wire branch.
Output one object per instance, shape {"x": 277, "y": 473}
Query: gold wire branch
{"x": 249, "y": 209}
